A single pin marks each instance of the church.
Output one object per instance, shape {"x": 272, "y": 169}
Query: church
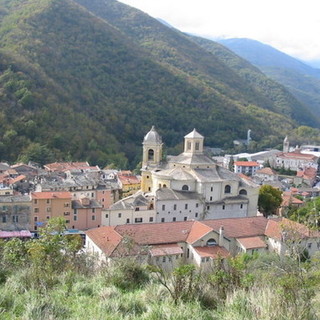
{"x": 190, "y": 186}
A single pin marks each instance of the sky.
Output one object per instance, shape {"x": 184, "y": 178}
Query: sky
{"x": 291, "y": 26}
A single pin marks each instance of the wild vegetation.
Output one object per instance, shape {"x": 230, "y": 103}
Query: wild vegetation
{"x": 85, "y": 80}
{"x": 48, "y": 278}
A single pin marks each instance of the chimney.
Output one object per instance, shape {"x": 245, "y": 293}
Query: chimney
{"x": 221, "y": 235}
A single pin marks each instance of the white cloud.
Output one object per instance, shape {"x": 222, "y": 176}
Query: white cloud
{"x": 291, "y": 26}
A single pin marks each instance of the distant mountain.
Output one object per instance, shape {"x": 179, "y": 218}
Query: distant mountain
{"x": 302, "y": 80}
{"x": 87, "y": 79}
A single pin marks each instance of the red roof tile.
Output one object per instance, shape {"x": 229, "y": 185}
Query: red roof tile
{"x": 51, "y": 195}
{"x": 267, "y": 171}
{"x": 198, "y": 230}
{"x": 106, "y": 238}
{"x": 246, "y": 164}
{"x": 252, "y": 242}
{"x": 166, "y": 250}
{"x": 213, "y": 252}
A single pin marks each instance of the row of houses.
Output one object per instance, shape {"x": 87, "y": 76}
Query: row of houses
{"x": 200, "y": 242}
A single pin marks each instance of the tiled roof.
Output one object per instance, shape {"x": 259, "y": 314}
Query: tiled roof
{"x": 266, "y": 170}
{"x": 51, "y": 195}
{"x": 307, "y": 173}
{"x": 17, "y": 179}
{"x": 64, "y": 166}
{"x": 106, "y": 238}
{"x": 246, "y": 164}
{"x": 239, "y": 227}
{"x": 296, "y": 155}
{"x": 252, "y": 242}
{"x": 166, "y": 250}
{"x": 288, "y": 199}
{"x": 213, "y": 252}
{"x": 282, "y": 227}
{"x": 157, "y": 233}
{"x": 128, "y": 179}
{"x": 198, "y": 230}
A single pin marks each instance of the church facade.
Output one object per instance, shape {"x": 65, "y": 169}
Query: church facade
{"x": 190, "y": 186}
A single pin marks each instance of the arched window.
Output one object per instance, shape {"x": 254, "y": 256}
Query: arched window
{"x": 164, "y": 186}
{"x": 227, "y": 189}
{"x": 243, "y": 192}
{"x": 185, "y": 188}
{"x": 211, "y": 242}
{"x": 150, "y": 154}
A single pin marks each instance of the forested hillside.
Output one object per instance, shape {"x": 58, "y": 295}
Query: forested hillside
{"x": 87, "y": 79}
{"x": 300, "y": 79}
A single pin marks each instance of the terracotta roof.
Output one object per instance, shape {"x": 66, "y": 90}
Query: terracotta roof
{"x": 282, "y": 227}
{"x": 125, "y": 179}
{"x": 166, "y": 250}
{"x": 157, "y": 233}
{"x": 106, "y": 238}
{"x": 198, "y": 230}
{"x": 212, "y": 252}
{"x": 288, "y": 199}
{"x": 17, "y": 179}
{"x": 246, "y": 164}
{"x": 243, "y": 176}
{"x": 252, "y": 242}
{"x": 64, "y": 166}
{"x": 296, "y": 155}
{"x": 267, "y": 171}
{"x": 307, "y": 173}
{"x": 239, "y": 227}
{"x": 51, "y": 195}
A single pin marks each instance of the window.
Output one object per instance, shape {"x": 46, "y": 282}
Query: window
{"x": 210, "y": 198}
{"x": 170, "y": 259}
{"x": 93, "y": 210}
{"x": 163, "y": 207}
{"x": 151, "y": 219}
{"x": 48, "y": 200}
{"x": 15, "y": 219}
{"x": 208, "y": 207}
{"x": 67, "y": 221}
{"x": 196, "y": 215}
{"x": 35, "y": 201}
{"x": 67, "y": 213}
{"x": 107, "y": 216}
{"x": 211, "y": 189}
{"x": 75, "y": 218}
{"x": 35, "y": 219}
{"x": 309, "y": 245}
{"x": 162, "y": 219}
{"x": 163, "y": 259}
{"x": 138, "y": 220}
{"x": 93, "y": 217}
{"x": 4, "y": 219}
{"x": 66, "y": 205}
{"x": 197, "y": 146}
{"x": 92, "y": 194}
{"x": 223, "y": 207}
{"x": 48, "y": 217}
{"x": 186, "y": 206}
{"x": 243, "y": 192}
{"x": 185, "y": 218}
{"x": 174, "y": 219}
{"x": 203, "y": 259}
{"x": 185, "y": 187}
{"x": 137, "y": 209}
{"x": 48, "y": 209}
{"x": 241, "y": 206}
{"x": 128, "y": 220}
{"x": 36, "y": 210}
{"x": 119, "y": 215}
{"x": 197, "y": 205}
{"x": 174, "y": 207}
{"x": 150, "y": 155}
{"x": 189, "y": 145}
{"x": 211, "y": 242}
{"x": 227, "y": 189}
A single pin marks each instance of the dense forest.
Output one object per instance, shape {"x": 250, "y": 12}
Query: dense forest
{"x": 48, "y": 278}
{"x": 85, "y": 80}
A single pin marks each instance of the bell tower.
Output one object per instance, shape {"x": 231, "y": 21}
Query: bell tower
{"x": 193, "y": 142}
{"x": 151, "y": 157}
{"x": 286, "y": 145}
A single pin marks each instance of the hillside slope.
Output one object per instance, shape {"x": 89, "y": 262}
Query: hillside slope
{"x": 299, "y": 78}
{"x": 88, "y": 89}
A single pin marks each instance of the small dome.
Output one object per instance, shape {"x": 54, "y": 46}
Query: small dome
{"x": 152, "y": 136}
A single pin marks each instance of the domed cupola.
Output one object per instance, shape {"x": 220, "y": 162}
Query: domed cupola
{"x": 193, "y": 142}
{"x": 152, "y": 137}
{"x": 152, "y": 148}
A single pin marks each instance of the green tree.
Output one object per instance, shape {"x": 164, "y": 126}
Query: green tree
{"x": 269, "y": 200}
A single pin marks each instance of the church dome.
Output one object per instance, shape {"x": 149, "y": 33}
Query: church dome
{"x": 152, "y": 136}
